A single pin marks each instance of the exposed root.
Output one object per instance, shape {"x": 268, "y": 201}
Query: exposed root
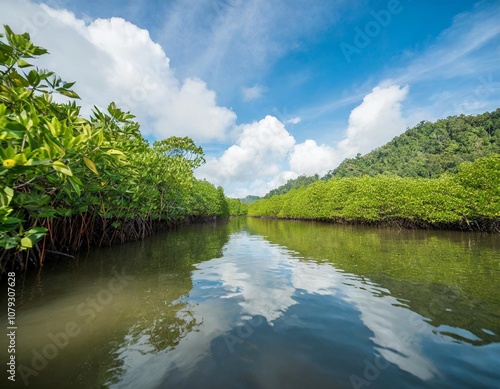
{"x": 68, "y": 235}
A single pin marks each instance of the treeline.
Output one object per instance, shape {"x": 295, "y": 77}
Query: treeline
{"x": 468, "y": 200}
{"x": 429, "y": 149}
{"x": 237, "y": 207}
{"x": 249, "y": 199}
{"x": 67, "y": 182}
{"x": 295, "y": 183}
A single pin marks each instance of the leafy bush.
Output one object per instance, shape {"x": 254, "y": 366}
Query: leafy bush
{"x": 72, "y": 181}
{"x": 470, "y": 196}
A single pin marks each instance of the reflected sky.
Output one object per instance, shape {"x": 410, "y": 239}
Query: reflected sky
{"x": 268, "y": 304}
{"x": 254, "y": 298}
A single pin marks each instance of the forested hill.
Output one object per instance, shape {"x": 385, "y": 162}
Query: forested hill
{"x": 249, "y": 199}
{"x": 296, "y": 183}
{"x": 429, "y": 149}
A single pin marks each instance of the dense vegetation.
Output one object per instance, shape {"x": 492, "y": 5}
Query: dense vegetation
{"x": 409, "y": 181}
{"x": 429, "y": 149}
{"x": 68, "y": 182}
{"x": 250, "y": 199}
{"x": 237, "y": 207}
{"x": 296, "y": 183}
{"x": 468, "y": 200}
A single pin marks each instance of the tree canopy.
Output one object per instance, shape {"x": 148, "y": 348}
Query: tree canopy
{"x": 469, "y": 199}
{"x": 67, "y": 181}
{"x": 429, "y": 149}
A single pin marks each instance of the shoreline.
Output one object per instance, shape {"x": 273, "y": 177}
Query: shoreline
{"x": 104, "y": 234}
{"x": 490, "y": 226}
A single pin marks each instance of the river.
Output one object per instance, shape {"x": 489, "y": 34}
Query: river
{"x": 254, "y": 303}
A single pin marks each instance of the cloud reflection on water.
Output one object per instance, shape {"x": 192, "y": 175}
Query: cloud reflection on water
{"x": 266, "y": 281}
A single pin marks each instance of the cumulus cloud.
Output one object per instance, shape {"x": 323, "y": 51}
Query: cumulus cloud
{"x": 258, "y": 153}
{"x": 309, "y": 158}
{"x": 266, "y": 155}
{"x": 375, "y": 121}
{"x": 252, "y": 93}
{"x": 114, "y": 60}
{"x": 194, "y": 111}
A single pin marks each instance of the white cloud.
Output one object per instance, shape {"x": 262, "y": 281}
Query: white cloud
{"x": 295, "y": 120}
{"x": 194, "y": 111}
{"x": 114, "y": 60}
{"x": 310, "y": 158}
{"x": 258, "y": 153}
{"x": 266, "y": 156}
{"x": 252, "y": 93}
{"x": 375, "y": 121}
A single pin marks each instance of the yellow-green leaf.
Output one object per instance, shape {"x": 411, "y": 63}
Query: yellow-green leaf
{"x": 20, "y": 159}
{"x": 115, "y": 152}
{"x": 6, "y": 196}
{"x": 62, "y": 168}
{"x": 90, "y": 165}
{"x": 26, "y": 243}
{"x": 23, "y": 64}
{"x": 68, "y": 93}
{"x": 37, "y": 161}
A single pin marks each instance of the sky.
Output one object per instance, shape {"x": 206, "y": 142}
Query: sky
{"x": 272, "y": 89}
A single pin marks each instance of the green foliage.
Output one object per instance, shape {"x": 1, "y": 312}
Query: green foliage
{"x": 204, "y": 200}
{"x": 237, "y": 207}
{"x": 481, "y": 179}
{"x": 250, "y": 199}
{"x": 298, "y": 182}
{"x": 429, "y": 149}
{"x": 55, "y": 164}
{"x": 471, "y": 195}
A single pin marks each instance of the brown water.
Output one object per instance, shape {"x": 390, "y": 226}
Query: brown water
{"x": 265, "y": 304}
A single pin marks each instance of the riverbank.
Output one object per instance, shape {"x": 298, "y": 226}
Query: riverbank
{"x": 68, "y": 236}
{"x": 488, "y": 226}
{"x": 468, "y": 200}
{"x": 69, "y": 182}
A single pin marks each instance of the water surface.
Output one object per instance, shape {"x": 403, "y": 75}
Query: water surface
{"x": 267, "y": 304}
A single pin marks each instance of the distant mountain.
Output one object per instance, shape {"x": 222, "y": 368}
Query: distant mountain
{"x": 293, "y": 184}
{"x": 429, "y": 149}
{"x": 249, "y": 199}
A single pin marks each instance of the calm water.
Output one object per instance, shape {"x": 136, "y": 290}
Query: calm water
{"x": 266, "y": 304}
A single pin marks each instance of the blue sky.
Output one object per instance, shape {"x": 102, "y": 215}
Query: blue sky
{"x": 273, "y": 89}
